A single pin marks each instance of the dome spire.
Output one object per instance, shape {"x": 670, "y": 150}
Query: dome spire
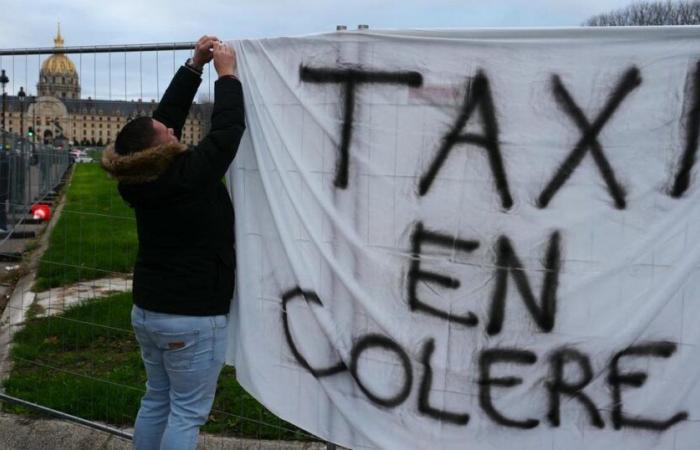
{"x": 58, "y": 40}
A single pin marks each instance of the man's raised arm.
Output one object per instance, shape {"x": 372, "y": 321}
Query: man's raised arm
{"x": 211, "y": 158}
{"x": 176, "y": 102}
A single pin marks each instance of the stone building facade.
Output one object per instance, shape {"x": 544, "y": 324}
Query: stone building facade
{"x": 58, "y": 114}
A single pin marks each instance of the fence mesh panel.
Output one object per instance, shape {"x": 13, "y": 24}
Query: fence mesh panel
{"x": 73, "y": 347}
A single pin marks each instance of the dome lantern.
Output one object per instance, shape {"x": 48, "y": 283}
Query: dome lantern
{"x": 58, "y": 40}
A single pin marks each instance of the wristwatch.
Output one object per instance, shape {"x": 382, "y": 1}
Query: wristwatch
{"x": 190, "y": 65}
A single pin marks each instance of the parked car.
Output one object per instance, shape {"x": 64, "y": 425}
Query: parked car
{"x": 80, "y": 156}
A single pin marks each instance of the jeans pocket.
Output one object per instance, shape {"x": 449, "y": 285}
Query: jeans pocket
{"x": 178, "y": 348}
{"x": 220, "y": 321}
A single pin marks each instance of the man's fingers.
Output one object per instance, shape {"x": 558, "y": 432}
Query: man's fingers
{"x": 206, "y": 41}
{"x": 211, "y": 42}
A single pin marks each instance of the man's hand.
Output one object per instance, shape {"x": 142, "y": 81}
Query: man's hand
{"x": 224, "y": 59}
{"x": 203, "y": 51}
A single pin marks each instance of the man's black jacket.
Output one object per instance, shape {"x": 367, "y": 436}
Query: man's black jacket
{"x": 184, "y": 216}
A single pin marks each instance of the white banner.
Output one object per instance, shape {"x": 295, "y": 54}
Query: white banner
{"x": 481, "y": 239}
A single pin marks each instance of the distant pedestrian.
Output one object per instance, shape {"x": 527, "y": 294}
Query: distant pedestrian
{"x": 184, "y": 271}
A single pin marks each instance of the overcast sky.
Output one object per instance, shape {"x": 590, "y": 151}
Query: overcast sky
{"x": 32, "y": 23}
{"x": 88, "y": 22}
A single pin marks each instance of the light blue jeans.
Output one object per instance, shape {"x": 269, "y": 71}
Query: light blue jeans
{"x": 183, "y": 356}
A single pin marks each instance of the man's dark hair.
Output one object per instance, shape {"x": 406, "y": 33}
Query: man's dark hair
{"x": 138, "y": 134}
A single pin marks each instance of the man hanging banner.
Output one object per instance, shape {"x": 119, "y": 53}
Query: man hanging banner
{"x": 479, "y": 239}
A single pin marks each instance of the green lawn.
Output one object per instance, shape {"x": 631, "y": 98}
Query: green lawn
{"x": 85, "y": 362}
{"x": 95, "y": 234}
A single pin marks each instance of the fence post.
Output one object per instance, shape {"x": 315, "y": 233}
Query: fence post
{"x": 4, "y": 182}
{"x": 27, "y": 169}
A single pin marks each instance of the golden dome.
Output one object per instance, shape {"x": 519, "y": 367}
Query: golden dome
{"x": 58, "y": 63}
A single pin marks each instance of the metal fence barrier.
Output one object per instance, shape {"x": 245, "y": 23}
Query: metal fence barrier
{"x": 29, "y": 173}
{"x": 128, "y": 79}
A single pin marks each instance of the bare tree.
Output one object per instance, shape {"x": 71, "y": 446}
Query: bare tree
{"x": 682, "y": 12}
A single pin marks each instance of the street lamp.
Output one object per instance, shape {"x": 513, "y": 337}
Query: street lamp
{"x": 21, "y": 95}
{"x": 3, "y": 157}
{"x": 3, "y": 80}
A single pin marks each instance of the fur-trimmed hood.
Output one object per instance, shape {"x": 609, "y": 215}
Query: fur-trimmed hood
{"x": 143, "y": 166}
